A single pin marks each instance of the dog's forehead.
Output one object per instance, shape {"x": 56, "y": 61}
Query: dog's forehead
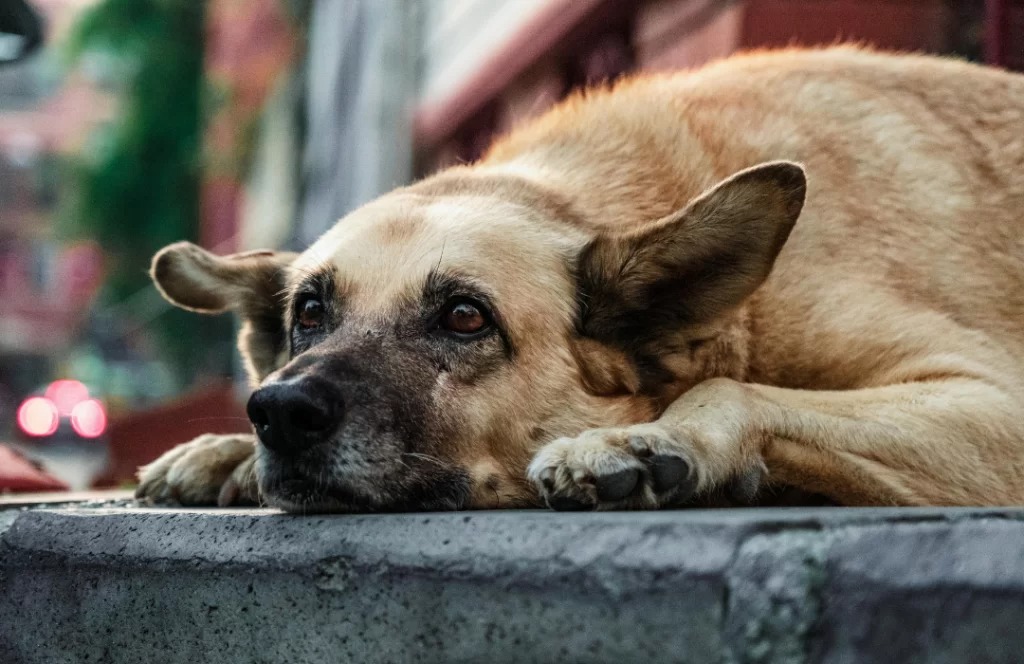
{"x": 385, "y": 251}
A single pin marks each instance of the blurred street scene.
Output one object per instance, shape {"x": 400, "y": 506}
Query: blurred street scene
{"x": 126, "y": 125}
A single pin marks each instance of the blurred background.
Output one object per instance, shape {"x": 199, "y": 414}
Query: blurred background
{"x": 240, "y": 124}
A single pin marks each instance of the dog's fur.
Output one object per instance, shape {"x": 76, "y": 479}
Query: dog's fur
{"x": 660, "y": 331}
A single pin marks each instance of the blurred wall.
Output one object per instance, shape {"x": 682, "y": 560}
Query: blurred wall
{"x": 371, "y": 64}
{"x": 361, "y": 83}
{"x": 394, "y": 89}
{"x": 460, "y": 34}
{"x": 490, "y": 64}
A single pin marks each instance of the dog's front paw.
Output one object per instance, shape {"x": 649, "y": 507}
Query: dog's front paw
{"x": 210, "y": 470}
{"x": 632, "y": 467}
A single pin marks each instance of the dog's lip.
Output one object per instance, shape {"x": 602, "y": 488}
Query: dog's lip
{"x": 296, "y": 487}
{"x": 304, "y": 497}
{"x": 298, "y": 495}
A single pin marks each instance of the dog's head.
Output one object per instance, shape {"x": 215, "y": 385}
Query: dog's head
{"x": 419, "y": 353}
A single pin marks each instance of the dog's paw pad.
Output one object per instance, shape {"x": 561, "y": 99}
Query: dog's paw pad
{"x": 618, "y": 485}
{"x": 669, "y": 471}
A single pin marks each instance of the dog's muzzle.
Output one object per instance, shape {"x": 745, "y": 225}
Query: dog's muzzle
{"x": 330, "y": 443}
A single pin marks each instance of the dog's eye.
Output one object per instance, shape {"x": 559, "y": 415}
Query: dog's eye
{"x": 465, "y": 317}
{"x": 310, "y": 313}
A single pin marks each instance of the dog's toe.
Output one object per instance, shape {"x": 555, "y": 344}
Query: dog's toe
{"x": 617, "y": 485}
{"x": 565, "y": 491}
{"x": 627, "y": 468}
{"x": 669, "y": 472}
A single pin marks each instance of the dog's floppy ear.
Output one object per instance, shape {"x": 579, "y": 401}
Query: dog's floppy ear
{"x": 692, "y": 266}
{"x": 250, "y": 284}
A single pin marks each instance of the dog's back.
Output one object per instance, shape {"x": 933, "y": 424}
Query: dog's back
{"x": 912, "y": 235}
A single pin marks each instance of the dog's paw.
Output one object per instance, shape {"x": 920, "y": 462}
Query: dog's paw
{"x": 210, "y": 470}
{"x": 633, "y": 467}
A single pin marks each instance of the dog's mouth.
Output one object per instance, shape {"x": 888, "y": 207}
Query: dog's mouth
{"x": 307, "y": 493}
{"x": 304, "y": 496}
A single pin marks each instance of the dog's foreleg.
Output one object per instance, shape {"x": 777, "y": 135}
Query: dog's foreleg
{"x": 210, "y": 470}
{"x": 955, "y": 441}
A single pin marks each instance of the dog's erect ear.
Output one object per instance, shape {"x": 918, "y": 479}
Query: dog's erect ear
{"x": 250, "y": 284}
{"x": 692, "y": 266}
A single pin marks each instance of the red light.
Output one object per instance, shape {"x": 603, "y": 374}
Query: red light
{"x": 37, "y": 416}
{"x": 89, "y": 419}
{"x": 66, "y": 394}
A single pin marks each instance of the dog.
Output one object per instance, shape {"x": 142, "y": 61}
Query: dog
{"x": 794, "y": 273}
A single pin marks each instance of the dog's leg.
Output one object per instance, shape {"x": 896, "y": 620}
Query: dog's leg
{"x": 210, "y": 470}
{"x": 955, "y": 441}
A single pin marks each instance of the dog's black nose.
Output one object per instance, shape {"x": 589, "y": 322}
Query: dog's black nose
{"x": 292, "y": 416}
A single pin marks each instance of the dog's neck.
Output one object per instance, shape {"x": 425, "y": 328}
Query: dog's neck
{"x": 721, "y": 350}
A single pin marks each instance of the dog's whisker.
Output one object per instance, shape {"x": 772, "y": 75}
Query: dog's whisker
{"x": 426, "y": 457}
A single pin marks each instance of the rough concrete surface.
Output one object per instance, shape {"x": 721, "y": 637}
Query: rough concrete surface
{"x": 124, "y": 584}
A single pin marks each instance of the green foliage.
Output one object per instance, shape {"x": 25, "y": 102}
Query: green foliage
{"x": 135, "y": 187}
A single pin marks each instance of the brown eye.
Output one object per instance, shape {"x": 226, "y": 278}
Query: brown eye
{"x": 311, "y": 313}
{"x": 464, "y": 318}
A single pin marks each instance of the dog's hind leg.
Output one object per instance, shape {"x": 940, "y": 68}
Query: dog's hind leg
{"x": 948, "y": 441}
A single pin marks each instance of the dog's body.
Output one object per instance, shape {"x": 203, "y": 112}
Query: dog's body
{"x": 651, "y": 342}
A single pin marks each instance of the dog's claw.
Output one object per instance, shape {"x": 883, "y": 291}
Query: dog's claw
{"x": 547, "y": 478}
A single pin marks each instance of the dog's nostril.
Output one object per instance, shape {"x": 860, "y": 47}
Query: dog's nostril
{"x": 257, "y": 413}
{"x": 259, "y": 417}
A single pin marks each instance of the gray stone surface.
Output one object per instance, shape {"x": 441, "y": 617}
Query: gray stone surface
{"x": 121, "y": 584}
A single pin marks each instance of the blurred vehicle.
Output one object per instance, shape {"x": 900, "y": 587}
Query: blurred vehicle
{"x": 18, "y": 474}
{"x": 21, "y": 31}
{"x": 64, "y": 410}
{"x": 64, "y": 428}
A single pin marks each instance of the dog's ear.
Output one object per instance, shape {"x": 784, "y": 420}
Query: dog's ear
{"x": 692, "y": 266}
{"x": 250, "y": 284}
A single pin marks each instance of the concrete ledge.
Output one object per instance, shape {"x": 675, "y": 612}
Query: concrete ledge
{"x": 124, "y": 584}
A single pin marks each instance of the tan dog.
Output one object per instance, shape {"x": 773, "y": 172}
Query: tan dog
{"x": 616, "y": 307}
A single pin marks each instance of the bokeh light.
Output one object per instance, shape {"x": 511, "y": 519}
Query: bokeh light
{"x": 89, "y": 419}
{"x": 38, "y": 416}
{"x": 66, "y": 394}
